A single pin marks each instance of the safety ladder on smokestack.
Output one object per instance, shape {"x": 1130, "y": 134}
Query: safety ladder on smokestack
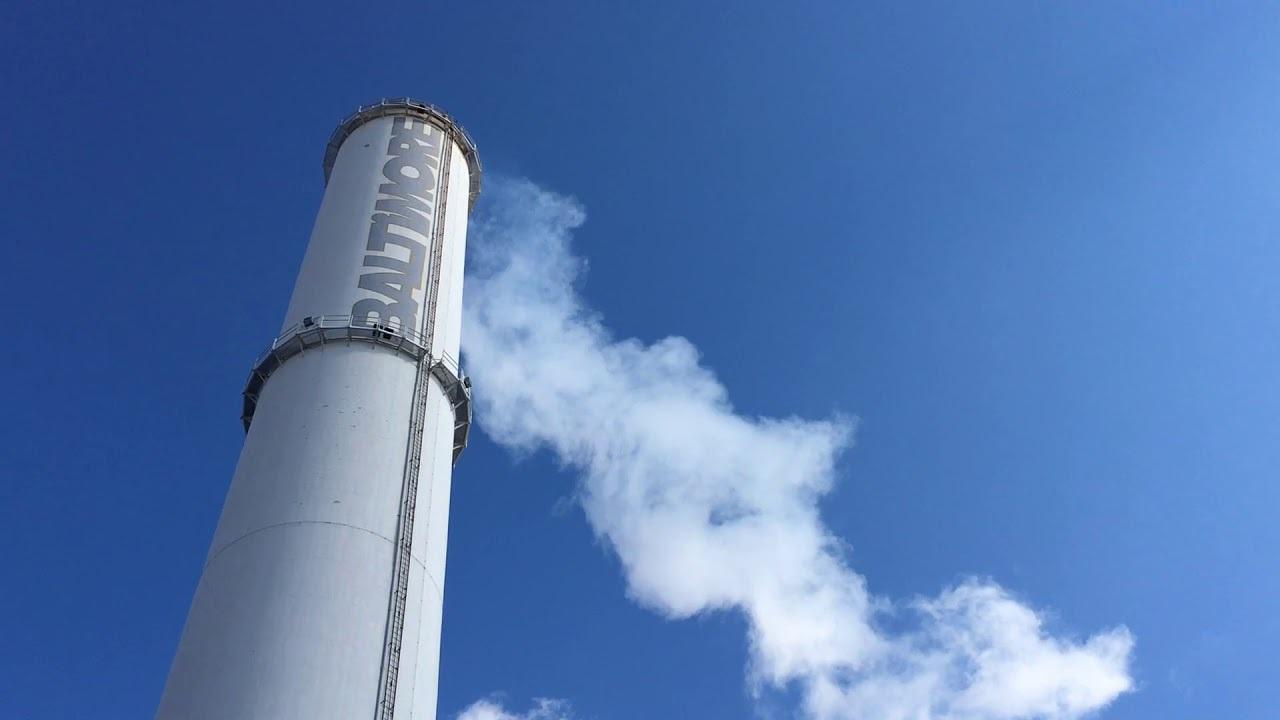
{"x": 394, "y": 641}
{"x": 404, "y": 540}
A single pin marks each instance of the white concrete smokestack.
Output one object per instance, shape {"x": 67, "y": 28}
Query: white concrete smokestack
{"x": 321, "y": 595}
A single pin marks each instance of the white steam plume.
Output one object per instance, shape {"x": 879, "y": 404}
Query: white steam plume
{"x": 708, "y": 509}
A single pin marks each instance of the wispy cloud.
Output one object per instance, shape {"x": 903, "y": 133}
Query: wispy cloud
{"x": 543, "y": 709}
{"x": 708, "y": 509}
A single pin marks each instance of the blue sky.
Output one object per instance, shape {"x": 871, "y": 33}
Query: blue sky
{"x": 1032, "y": 248}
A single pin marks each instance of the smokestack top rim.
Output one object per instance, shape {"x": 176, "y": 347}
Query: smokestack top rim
{"x": 390, "y": 107}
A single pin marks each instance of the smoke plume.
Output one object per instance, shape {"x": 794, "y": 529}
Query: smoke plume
{"x": 710, "y": 510}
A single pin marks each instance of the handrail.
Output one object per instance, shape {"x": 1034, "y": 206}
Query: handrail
{"x": 318, "y": 330}
{"x": 413, "y": 108}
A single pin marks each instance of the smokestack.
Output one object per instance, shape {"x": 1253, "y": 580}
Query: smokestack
{"x": 322, "y": 592}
